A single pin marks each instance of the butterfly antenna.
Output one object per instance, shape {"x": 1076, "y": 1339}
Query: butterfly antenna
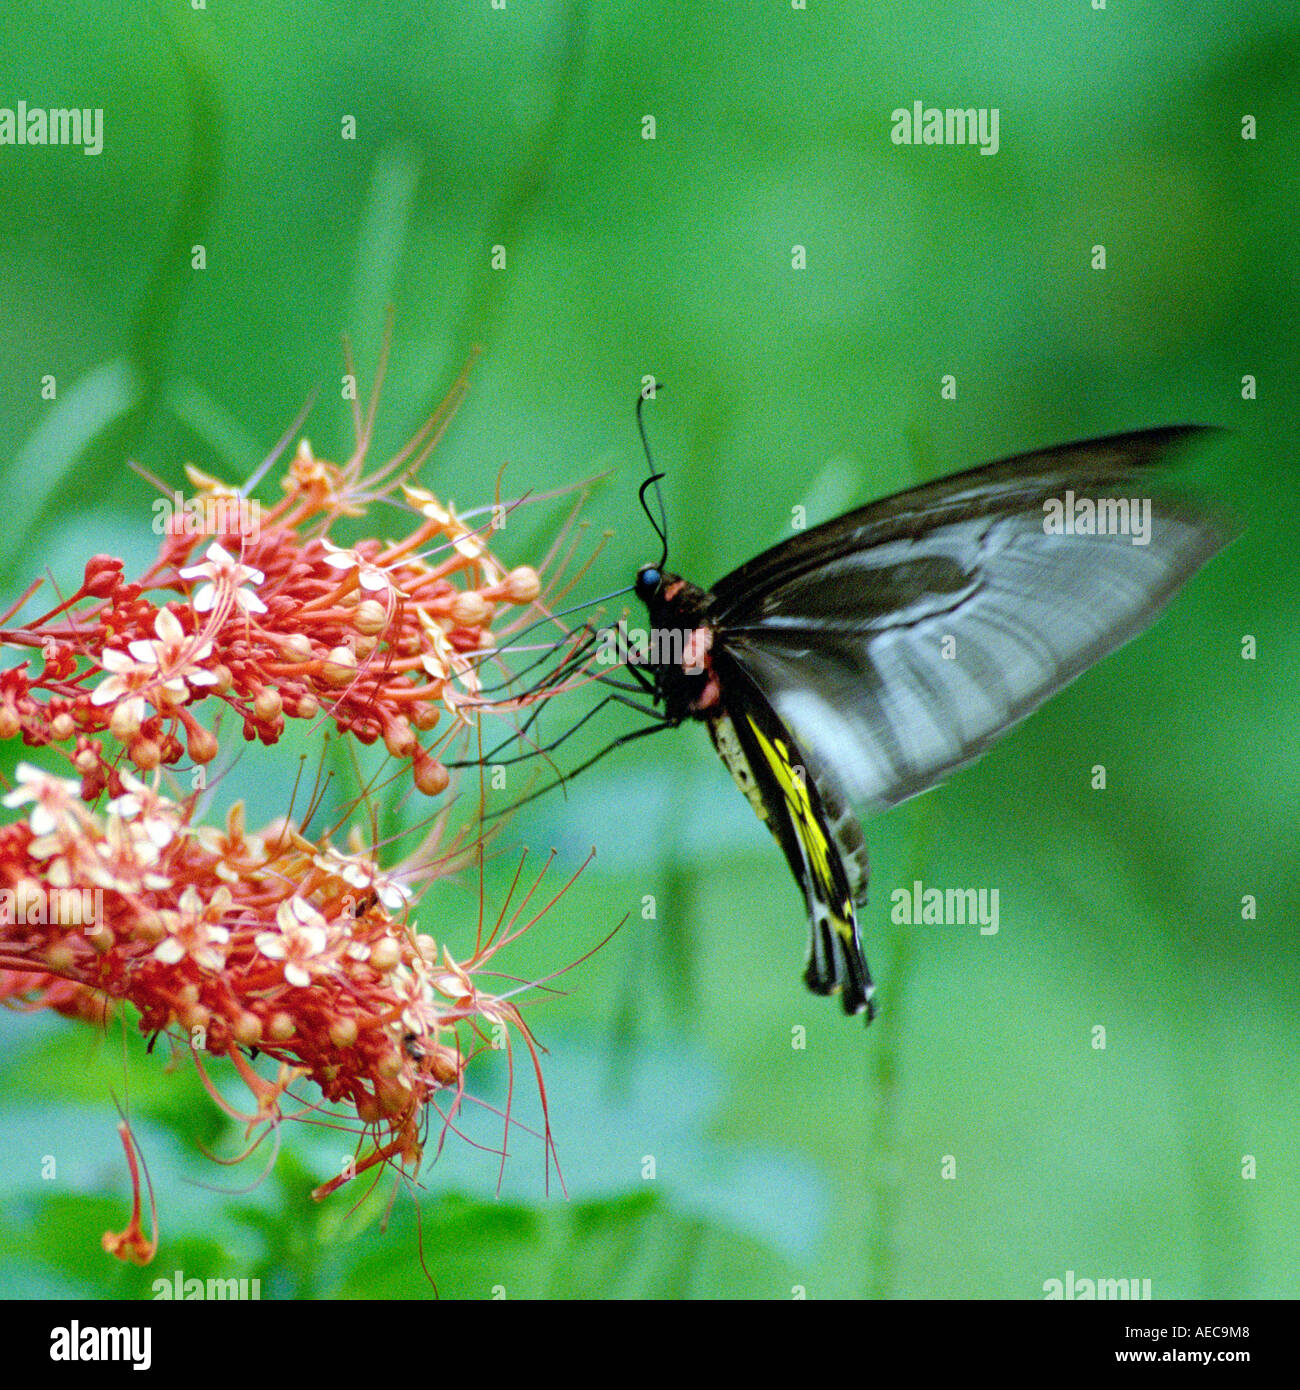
{"x": 661, "y": 526}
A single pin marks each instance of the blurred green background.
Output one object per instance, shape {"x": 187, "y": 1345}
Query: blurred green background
{"x": 775, "y": 1168}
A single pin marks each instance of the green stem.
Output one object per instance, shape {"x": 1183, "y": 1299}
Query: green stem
{"x": 884, "y": 1059}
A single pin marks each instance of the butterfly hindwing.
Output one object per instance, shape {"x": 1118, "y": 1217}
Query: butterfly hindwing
{"x": 822, "y": 840}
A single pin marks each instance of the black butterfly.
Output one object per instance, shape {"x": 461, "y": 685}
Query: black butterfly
{"x": 861, "y": 662}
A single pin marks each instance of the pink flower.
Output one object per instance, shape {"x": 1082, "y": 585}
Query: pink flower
{"x": 360, "y": 871}
{"x": 371, "y": 577}
{"x": 55, "y": 798}
{"x": 174, "y": 656}
{"x": 123, "y": 687}
{"x": 303, "y": 935}
{"x": 223, "y": 571}
{"x": 194, "y": 930}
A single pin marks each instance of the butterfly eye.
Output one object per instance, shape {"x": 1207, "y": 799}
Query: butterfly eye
{"x": 648, "y": 579}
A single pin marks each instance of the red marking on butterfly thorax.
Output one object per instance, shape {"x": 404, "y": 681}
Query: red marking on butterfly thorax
{"x": 688, "y": 685}
{"x": 696, "y": 660}
{"x": 696, "y": 648}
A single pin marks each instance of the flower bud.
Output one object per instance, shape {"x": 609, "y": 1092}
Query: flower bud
{"x": 398, "y": 738}
{"x": 61, "y": 958}
{"x": 470, "y": 609}
{"x": 202, "y": 744}
{"x": 430, "y": 775}
{"x": 370, "y": 618}
{"x": 385, "y": 955}
{"x": 248, "y": 1029}
{"x": 343, "y": 1032}
{"x": 196, "y": 1016}
{"x": 100, "y": 937}
{"x": 523, "y": 585}
{"x": 124, "y": 722}
{"x": 297, "y": 647}
{"x": 62, "y": 727}
{"x": 394, "y": 1097}
{"x": 340, "y": 667}
{"x": 149, "y": 927}
{"x": 444, "y": 1064}
{"x": 268, "y": 704}
{"x": 145, "y": 753}
{"x": 424, "y": 716}
{"x": 282, "y": 1027}
{"x": 101, "y": 576}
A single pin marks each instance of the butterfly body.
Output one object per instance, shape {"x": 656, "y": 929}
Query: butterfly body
{"x": 863, "y": 661}
{"x": 686, "y": 683}
{"x": 820, "y": 837}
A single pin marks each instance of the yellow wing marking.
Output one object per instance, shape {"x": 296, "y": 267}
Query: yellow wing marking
{"x": 816, "y": 847}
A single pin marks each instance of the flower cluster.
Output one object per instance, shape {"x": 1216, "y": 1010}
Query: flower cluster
{"x": 383, "y": 638}
{"x": 265, "y": 940}
{"x": 276, "y": 942}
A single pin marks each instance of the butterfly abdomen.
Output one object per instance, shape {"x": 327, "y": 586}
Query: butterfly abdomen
{"x": 723, "y": 733}
{"x": 822, "y": 841}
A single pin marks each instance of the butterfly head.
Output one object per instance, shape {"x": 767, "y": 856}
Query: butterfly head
{"x": 649, "y": 580}
{"x": 669, "y": 597}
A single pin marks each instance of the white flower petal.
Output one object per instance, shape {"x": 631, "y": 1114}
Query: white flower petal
{"x": 394, "y": 896}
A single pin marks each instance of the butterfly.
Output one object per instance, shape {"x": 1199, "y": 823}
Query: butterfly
{"x": 863, "y": 661}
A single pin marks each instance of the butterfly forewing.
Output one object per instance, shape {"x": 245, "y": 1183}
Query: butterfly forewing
{"x": 895, "y": 659}
{"x": 1011, "y": 485}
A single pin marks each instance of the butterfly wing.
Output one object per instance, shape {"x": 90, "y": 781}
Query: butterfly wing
{"x": 823, "y": 843}
{"x": 897, "y": 642}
